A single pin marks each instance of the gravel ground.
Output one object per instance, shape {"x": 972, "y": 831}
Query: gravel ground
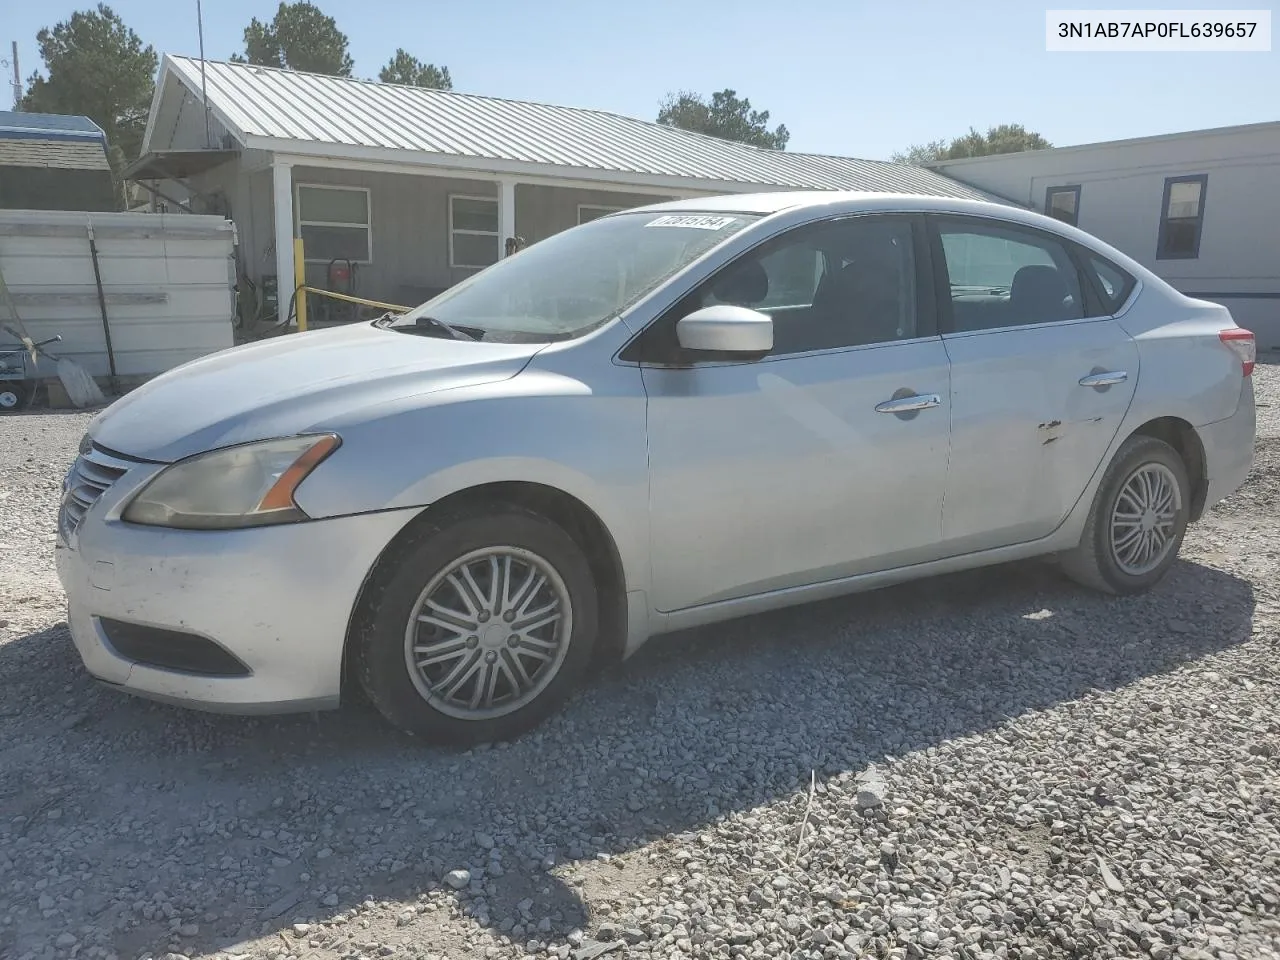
{"x": 996, "y": 764}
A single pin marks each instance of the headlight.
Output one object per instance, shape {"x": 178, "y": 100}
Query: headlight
{"x": 245, "y": 486}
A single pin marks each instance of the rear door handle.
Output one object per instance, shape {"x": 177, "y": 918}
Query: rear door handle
{"x": 1104, "y": 379}
{"x": 921, "y": 401}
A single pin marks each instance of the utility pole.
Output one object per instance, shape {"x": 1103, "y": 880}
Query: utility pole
{"x": 17, "y": 76}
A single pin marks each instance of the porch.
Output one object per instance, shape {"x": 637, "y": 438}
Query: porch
{"x": 399, "y": 234}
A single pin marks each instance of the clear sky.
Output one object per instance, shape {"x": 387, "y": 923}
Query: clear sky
{"x": 846, "y": 77}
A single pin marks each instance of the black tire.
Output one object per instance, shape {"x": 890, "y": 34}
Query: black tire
{"x": 17, "y": 396}
{"x": 1093, "y": 563}
{"x": 379, "y": 638}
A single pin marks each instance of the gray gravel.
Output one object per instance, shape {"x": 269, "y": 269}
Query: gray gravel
{"x": 990, "y": 765}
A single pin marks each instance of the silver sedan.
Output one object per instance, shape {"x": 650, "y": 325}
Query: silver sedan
{"x": 666, "y": 417}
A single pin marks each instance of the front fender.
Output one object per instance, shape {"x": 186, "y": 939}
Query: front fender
{"x": 538, "y": 428}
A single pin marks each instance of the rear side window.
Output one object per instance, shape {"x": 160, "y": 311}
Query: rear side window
{"x": 1004, "y": 276}
{"x": 1114, "y": 285}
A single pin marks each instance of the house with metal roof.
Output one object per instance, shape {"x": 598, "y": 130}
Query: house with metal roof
{"x": 402, "y": 191}
{"x": 53, "y": 162}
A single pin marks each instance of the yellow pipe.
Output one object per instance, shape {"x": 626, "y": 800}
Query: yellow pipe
{"x": 300, "y": 283}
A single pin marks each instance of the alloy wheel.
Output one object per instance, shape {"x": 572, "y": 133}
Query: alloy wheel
{"x": 488, "y": 633}
{"x": 1144, "y": 520}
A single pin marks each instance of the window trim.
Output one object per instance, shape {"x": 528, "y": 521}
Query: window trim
{"x": 1083, "y": 255}
{"x": 634, "y": 351}
{"x": 605, "y": 210}
{"x": 496, "y": 234}
{"x": 1162, "y": 238}
{"x": 1073, "y": 188}
{"x": 942, "y": 277}
{"x": 299, "y": 223}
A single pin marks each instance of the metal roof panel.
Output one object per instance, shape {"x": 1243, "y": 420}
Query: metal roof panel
{"x": 348, "y": 113}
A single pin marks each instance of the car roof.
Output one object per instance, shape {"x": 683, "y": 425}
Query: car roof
{"x": 843, "y": 200}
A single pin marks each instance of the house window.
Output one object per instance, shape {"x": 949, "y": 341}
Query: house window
{"x": 334, "y": 223}
{"x": 473, "y": 232}
{"x": 1182, "y": 217}
{"x": 590, "y": 211}
{"x": 1063, "y": 203}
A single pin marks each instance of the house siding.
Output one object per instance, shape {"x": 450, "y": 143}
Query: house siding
{"x": 1122, "y": 193}
{"x": 409, "y": 219}
{"x": 542, "y": 211}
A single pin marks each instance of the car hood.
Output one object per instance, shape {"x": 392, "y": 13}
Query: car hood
{"x": 291, "y": 384}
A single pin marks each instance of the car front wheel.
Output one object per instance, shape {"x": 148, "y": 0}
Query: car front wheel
{"x": 1138, "y": 520}
{"x": 478, "y": 627}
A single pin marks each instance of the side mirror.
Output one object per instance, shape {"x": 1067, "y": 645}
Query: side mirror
{"x": 725, "y": 328}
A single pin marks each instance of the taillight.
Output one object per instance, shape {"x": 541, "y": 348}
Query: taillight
{"x": 1241, "y": 343}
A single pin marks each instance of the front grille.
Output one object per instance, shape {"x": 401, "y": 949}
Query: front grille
{"x": 171, "y": 650}
{"x": 93, "y": 472}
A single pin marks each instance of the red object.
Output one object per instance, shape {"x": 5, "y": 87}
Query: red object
{"x": 1240, "y": 341}
{"x": 340, "y": 276}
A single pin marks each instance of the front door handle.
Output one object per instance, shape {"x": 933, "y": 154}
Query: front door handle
{"x": 921, "y": 401}
{"x": 1104, "y": 379}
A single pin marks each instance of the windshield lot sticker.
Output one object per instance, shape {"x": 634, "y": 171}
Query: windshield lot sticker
{"x": 694, "y": 222}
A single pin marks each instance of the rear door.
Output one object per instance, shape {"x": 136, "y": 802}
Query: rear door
{"x": 1039, "y": 386}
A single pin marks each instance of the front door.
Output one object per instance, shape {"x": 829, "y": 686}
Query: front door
{"x": 824, "y": 459}
{"x": 1038, "y": 387}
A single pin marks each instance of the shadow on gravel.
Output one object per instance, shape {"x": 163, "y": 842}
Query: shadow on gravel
{"x": 297, "y": 819}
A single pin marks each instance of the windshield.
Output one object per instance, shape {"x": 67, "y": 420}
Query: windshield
{"x": 574, "y": 281}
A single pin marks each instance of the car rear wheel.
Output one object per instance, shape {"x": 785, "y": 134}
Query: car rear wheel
{"x": 479, "y": 627}
{"x": 1137, "y": 522}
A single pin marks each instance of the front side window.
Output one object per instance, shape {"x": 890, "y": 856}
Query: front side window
{"x": 473, "y": 232}
{"x": 1182, "y": 218}
{"x": 574, "y": 281}
{"x": 1005, "y": 276}
{"x": 1063, "y": 203}
{"x": 840, "y": 283}
{"x": 334, "y": 223}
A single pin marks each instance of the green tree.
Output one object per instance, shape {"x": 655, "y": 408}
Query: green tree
{"x": 98, "y": 68}
{"x": 299, "y": 37}
{"x": 409, "y": 70}
{"x": 725, "y": 116}
{"x": 1006, "y": 138}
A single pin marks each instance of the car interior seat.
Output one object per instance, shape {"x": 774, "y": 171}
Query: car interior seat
{"x": 744, "y": 284}
{"x": 1039, "y": 295}
{"x": 862, "y": 301}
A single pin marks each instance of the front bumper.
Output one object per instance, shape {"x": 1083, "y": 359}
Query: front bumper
{"x": 278, "y": 598}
